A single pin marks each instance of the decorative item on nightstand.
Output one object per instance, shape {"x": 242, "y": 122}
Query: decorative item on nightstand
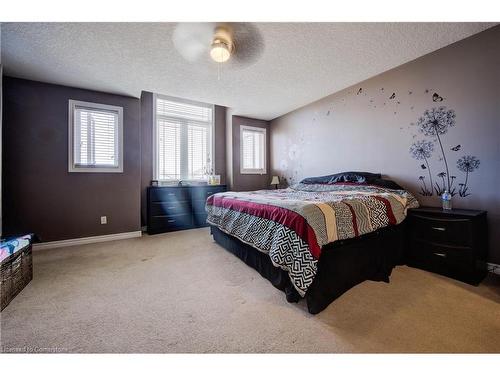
{"x": 275, "y": 181}
{"x": 451, "y": 242}
{"x": 446, "y": 200}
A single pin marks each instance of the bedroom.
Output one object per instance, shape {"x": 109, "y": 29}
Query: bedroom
{"x": 321, "y": 187}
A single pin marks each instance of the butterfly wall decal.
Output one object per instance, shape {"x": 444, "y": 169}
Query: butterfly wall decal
{"x": 423, "y": 166}
{"x": 456, "y": 148}
{"x": 359, "y": 91}
{"x": 437, "y": 98}
{"x": 393, "y": 95}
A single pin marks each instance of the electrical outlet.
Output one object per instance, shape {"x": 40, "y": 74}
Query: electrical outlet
{"x": 104, "y": 220}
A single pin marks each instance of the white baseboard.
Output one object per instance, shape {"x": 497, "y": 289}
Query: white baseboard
{"x": 86, "y": 240}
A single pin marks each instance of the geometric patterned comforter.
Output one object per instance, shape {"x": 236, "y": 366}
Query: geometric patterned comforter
{"x": 292, "y": 225}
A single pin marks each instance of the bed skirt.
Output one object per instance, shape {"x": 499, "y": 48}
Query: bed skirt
{"x": 342, "y": 265}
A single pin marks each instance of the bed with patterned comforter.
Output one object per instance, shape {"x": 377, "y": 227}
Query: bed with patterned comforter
{"x": 292, "y": 225}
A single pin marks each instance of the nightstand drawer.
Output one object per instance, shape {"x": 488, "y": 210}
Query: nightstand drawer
{"x": 447, "y": 260}
{"x": 446, "y": 231}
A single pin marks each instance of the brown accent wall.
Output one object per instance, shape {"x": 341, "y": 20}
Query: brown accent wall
{"x": 39, "y": 194}
{"x": 220, "y": 142}
{"x": 245, "y": 182}
{"x": 146, "y": 148}
{"x": 365, "y": 128}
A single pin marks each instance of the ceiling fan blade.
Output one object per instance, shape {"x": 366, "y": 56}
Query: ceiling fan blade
{"x": 193, "y": 40}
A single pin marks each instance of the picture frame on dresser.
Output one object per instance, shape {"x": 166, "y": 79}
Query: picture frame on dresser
{"x": 453, "y": 243}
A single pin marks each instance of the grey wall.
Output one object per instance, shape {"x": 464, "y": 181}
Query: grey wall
{"x": 361, "y": 128}
{"x": 39, "y": 194}
{"x": 243, "y": 182}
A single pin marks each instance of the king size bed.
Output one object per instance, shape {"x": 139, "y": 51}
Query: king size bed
{"x": 318, "y": 238}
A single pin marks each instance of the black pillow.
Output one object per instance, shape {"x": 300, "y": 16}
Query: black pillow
{"x": 356, "y": 177}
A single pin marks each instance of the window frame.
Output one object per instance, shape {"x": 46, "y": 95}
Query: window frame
{"x": 260, "y": 171}
{"x": 71, "y": 142}
{"x": 211, "y": 141}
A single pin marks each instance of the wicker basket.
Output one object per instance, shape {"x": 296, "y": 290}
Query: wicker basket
{"x": 16, "y": 271}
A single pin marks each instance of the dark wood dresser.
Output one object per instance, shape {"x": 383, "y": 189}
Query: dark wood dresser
{"x": 452, "y": 243}
{"x": 178, "y": 207}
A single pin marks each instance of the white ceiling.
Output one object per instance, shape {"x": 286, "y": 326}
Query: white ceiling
{"x": 299, "y": 62}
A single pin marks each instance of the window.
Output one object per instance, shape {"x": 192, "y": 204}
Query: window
{"x": 95, "y": 137}
{"x": 183, "y": 139}
{"x": 253, "y": 150}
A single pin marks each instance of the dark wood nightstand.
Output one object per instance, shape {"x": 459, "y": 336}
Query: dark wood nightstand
{"x": 452, "y": 243}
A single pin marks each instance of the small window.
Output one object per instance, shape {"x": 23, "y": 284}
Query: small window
{"x": 183, "y": 139}
{"x": 95, "y": 137}
{"x": 253, "y": 150}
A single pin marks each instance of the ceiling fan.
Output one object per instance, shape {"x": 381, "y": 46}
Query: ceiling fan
{"x": 234, "y": 44}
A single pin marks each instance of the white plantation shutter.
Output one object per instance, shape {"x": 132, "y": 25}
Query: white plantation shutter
{"x": 183, "y": 139}
{"x": 253, "y": 152}
{"x": 95, "y": 137}
{"x": 169, "y": 133}
{"x": 197, "y": 150}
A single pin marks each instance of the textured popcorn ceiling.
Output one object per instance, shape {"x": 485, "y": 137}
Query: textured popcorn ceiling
{"x": 298, "y": 63}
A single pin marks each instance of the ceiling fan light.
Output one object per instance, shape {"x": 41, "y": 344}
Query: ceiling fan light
{"x": 220, "y": 52}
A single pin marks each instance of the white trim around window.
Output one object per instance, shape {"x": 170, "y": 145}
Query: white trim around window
{"x": 258, "y": 154}
{"x": 185, "y": 121}
{"x": 114, "y": 140}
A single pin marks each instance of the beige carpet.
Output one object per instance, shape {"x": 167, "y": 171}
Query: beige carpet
{"x": 181, "y": 292}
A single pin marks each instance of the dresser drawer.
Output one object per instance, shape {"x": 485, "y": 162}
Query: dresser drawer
{"x": 169, "y": 223}
{"x": 445, "y": 231}
{"x": 168, "y": 194}
{"x": 202, "y": 193}
{"x": 169, "y": 208}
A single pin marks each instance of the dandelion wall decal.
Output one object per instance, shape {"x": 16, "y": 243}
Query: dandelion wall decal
{"x": 466, "y": 164}
{"x": 422, "y": 150}
{"x": 435, "y": 123}
{"x": 440, "y": 189}
{"x": 437, "y": 98}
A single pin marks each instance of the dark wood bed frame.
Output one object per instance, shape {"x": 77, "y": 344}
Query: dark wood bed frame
{"x": 341, "y": 266}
